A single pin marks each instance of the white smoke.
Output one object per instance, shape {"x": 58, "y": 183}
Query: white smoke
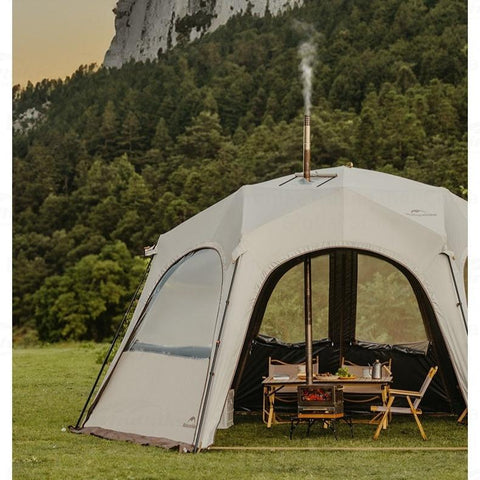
{"x": 307, "y": 52}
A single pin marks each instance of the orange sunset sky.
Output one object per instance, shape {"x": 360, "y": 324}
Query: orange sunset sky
{"x": 52, "y": 38}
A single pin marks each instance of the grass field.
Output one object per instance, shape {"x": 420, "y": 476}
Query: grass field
{"x": 50, "y": 385}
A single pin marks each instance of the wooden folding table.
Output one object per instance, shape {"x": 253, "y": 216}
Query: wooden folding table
{"x": 274, "y": 384}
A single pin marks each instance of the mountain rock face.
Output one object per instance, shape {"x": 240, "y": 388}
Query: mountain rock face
{"x": 146, "y": 28}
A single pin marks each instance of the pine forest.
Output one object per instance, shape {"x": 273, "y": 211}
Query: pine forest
{"x": 115, "y": 157}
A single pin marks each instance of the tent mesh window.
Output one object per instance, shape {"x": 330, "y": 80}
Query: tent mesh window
{"x": 168, "y": 326}
{"x": 284, "y": 315}
{"x": 384, "y": 296}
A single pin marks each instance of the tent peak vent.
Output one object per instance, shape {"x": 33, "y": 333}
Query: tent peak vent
{"x": 326, "y": 176}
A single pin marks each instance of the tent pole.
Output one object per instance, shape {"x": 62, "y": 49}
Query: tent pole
{"x": 307, "y": 280}
{"x": 459, "y": 304}
{"x": 196, "y": 440}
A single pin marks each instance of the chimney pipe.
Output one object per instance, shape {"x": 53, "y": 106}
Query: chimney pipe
{"x": 306, "y": 148}
{"x": 307, "y": 289}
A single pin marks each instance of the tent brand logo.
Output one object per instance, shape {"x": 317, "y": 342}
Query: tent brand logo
{"x": 190, "y": 423}
{"x": 420, "y": 213}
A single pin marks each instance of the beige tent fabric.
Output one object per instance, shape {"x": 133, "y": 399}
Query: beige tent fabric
{"x": 262, "y": 226}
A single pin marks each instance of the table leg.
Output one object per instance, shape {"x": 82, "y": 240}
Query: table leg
{"x": 386, "y": 418}
{"x": 293, "y": 424}
{"x": 271, "y": 410}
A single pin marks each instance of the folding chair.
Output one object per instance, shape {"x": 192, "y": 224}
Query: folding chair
{"x": 364, "y": 393}
{"x": 288, "y": 393}
{"x": 463, "y": 416}
{"x": 277, "y": 367}
{"x": 412, "y": 409}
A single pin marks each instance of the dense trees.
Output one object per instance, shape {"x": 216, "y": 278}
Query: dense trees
{"x": 89, "y": 298}
{"x": 122, "y": 155}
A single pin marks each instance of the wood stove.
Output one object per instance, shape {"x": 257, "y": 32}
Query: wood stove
{"x": 320, "y": 399}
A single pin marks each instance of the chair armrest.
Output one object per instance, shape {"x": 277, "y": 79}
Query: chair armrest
{"x": 389, "y": 372}
{"x": 405, "y": 393}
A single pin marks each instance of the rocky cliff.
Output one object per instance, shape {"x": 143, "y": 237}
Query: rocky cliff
{"x": 146, "y": 28}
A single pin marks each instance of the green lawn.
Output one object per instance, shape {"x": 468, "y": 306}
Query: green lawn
{"x": 50, "y": 385}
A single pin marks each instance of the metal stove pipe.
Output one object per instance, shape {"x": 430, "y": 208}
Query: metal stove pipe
{"x": 306, "y": 147}
{"x": 307, "y": 285}
{"x": 307, "y": 263}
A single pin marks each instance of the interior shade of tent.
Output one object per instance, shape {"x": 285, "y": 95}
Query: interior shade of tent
{"x": 198, "y": 329}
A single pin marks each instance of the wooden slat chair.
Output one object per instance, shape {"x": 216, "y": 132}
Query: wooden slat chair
{"x": 277, "y": 367}
{"x": 462, "y": 418}
{"x": 386, "y": 410}
{"x": 287, "y": 394}
{"x": 364, "y": 393}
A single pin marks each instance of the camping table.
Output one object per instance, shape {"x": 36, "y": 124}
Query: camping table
{"x": 273, "y": 384}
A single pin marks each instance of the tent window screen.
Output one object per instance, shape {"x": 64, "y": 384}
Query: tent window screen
{"x": 387, "y": 309}
{"x": 181, "y": 315}
{"x": 284, "y": 316}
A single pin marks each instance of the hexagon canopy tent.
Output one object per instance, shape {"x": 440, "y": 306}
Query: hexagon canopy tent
{"x": 170, "y": 377}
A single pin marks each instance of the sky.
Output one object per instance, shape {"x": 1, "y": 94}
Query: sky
{"x": 52, "y": 38}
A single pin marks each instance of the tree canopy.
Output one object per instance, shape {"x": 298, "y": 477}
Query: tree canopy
{"x": 119, "y": 156}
